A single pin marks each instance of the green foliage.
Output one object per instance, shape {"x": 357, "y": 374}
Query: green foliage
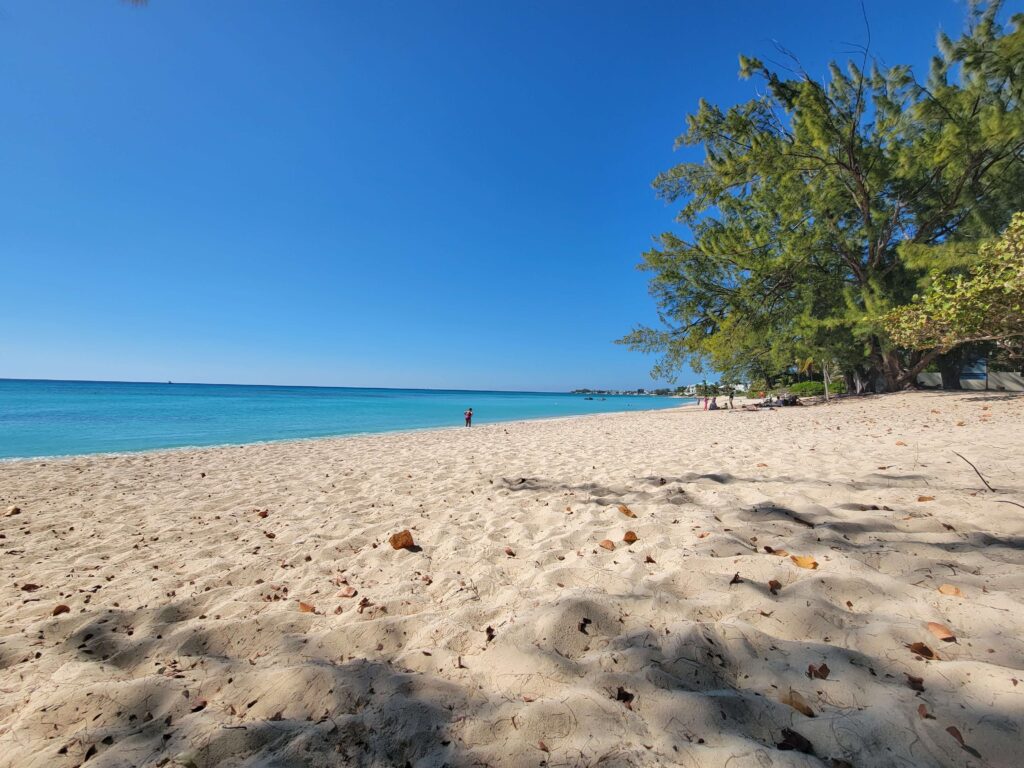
{"x": 815, "y": 388}
{"x": 819, "y": 207}
{"x": 984, "y": 304}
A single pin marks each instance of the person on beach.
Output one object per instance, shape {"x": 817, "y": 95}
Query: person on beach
{"x": 730, "y": 401}
{"x": 705, "y": 402}
{"x": 714, "y": 404}
{"x": 469, "y": 417}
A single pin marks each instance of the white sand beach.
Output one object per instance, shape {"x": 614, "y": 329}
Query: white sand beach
{"x": 242, "y": 606}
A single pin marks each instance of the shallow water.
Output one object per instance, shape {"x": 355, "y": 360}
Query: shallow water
{"x": 58, "y": 418}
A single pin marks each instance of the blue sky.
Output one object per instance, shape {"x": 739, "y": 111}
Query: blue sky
{"x": 433, "y": 194}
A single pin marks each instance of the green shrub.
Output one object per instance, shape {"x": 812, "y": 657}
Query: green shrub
{"x": 815, "y": 388}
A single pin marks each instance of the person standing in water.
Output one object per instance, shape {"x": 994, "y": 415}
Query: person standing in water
{"x": 469, "y": 417}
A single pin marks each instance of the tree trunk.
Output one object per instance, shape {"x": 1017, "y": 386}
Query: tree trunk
{"x": 951, "y": 365}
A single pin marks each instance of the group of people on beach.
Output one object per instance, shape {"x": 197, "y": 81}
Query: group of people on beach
{"x": 714, "y": 406}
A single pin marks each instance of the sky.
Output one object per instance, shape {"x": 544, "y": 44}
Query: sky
{"x": 402, "y": 194}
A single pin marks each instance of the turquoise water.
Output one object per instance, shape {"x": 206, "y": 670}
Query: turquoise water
{"x": 60, "y": 418}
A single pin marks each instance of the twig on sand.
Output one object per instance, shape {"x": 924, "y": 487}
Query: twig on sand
{"x": 978, "y": 473}
{"x": 1004, "y": 501}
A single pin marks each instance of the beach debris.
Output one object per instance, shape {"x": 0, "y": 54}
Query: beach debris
{"x": 820, "y": 672}
{"x": 607, "y": 544}
{"x": 262, "y": 512}
{"x": 776, "y": 552}
{"x": 270, "y": 534}
{"x": 804, "y": 561}
{"x": 703, "y": 534}
{"x": 584, "y": 623}
{"x": 61, "y": 609}
{"x": 626, "y": 511}
{"x": 402, "y": 540}
{"x": 791, "y": 740}
{"x": 348, "y": 592}
{"x": 490, "y": 634}
{"x": 625, "y": 697}
{"x": 630, "y": 537}
{"x": 941, "y": 631}
{"x": 774, "y": 587}
{"x": 762, "y": 464}
{"x": 900, "y": 442}
{"x": 306, "y": 608}
{"x": 949, "y": 589}
{"x": 797, "y": 702}
{"x": 735, "y": 579}
{"x": 542, "y": 746}
{"x": 926, "y": 498}
{"x": 955, "y": 733}
{"x": 13, "y": 510}
{"x": 29, "y": 587}
{"x": 922, "y": 650}
{"x": 922, "y": 710}
{"x": 915, "y": 683}
{"x": 510, "y": 552}
{"x": 650, "y": 559}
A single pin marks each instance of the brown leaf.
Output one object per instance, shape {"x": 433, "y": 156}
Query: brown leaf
{"x": 804, "y": 561}
{"x": 776, "y": 552}
{"x": 263, "y": 512}
{"x": 607, "y": 544}
{"x": 649, "y": 559}
{"x": 542, "y": 746}
{"x": 348, "y": 592}
{"x": 510, "y": 552}
{"x": 955, "y": 733}
{"x": 949, "y": 589}
{"x": 270, "y": 534}
{"x": 915, "y": 683}
{"x": 60, "y": 609}
{"x": 736, "y": 579}
{"x": 402, "y": 540}
{"x": 306, "y": 608}
{"x": 820, "y": 672}
{"x": 703, "y": 534}
{"x": 961, "y": 423}
{"x": 796, "y": 701}
{"x": 923, "y": 651}
{"x": 630, "y": 537}
{"x": 900, "y": 442}
{"x": 794, "y": 741}
{"x": 926, "y": 498}
{"x": 762, "y": 464}
{"x": 29, "y": 587}
{"x": 941, "y": 631}
{"x": 626, "y": 511}
{"x": 774, "y": 587}
{"x": 922, "y": 710}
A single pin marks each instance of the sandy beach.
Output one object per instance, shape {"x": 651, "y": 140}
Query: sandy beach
{"x": 831, "y": 579}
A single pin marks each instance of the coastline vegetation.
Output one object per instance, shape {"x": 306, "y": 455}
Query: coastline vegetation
{"x": 853, "y": 222}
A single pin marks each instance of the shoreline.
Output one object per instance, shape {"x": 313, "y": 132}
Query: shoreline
{"x": 346, "y": 436}
{"x": 637, "y": 588}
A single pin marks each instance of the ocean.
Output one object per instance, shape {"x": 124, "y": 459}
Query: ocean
{"x": 62, "y": 418}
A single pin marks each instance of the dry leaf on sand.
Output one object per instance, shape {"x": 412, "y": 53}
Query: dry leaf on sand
{"x": 60, "y": 609}
{"x": 923, "y": 651}
{"x": 776, "y": 552}
{"x": 774, "y": 587}
{"x": 804, "y": 561}
{"x": 306, "y": 608}
{"x": 630, "y": 537}
{"x": 926, "y": 498}
{"x": 915, "y": 683}
{"x": 607, "y": 544}
{"x": 941, "y": 631}
{"x": 820, "y": 672}
{"x": 949, "y": 589}
{"x": 626, "y": 511}
{"x": 796, "y": 701}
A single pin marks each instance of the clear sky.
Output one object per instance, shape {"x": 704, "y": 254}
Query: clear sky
{"x": 423, "y": 194}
